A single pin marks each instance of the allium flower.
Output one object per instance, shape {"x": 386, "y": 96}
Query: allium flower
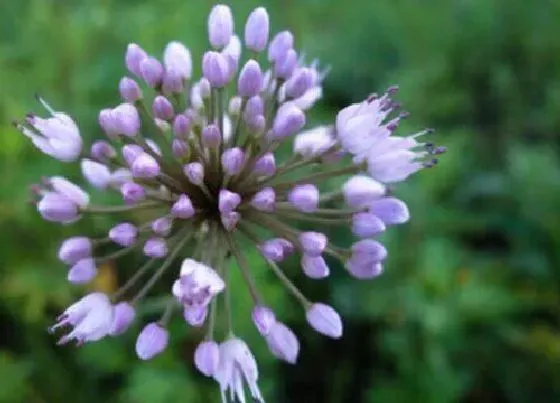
{"x": 203, "y": 170}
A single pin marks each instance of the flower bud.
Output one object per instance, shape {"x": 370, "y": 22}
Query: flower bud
{"x": 124, "y": 315}
{"x": 361, "y": 190}
{"x": 194, "y": 173}
{"x": 195, "y": 315}
{"x": 265, "y": 165}
{"x": 325, "y": 320}
{"x": 220, "y": 26}
{"x": 211, "y": 136}
{"x": 314, "y": 142}
{"x": 390, "y": 210}
{"x": 145, "y": 166}
{"x": 230, "y": 220}
{"x": 127, "y": 119}
{"x": 207, "y": 357}
{"x": 132, "y": 192}
{"x": 133, "y": 57}
{"x": 288, "y": 121}
{"x": 129, "y": 90}
{"x": 124, "y": 234}
{"x": 283, "y": 343}
{"x": 130, "y": 152}
{"x": 162, "y": 226}
{"x": 228, "y": 201}
{"x": 366, "y": 225}
{"x": 301, "y": 81}
{"x": 83, "y": 271}
{"x": 256, "y": 30}
{"x": 101, "y": 150}
{"x": 216, "y": 69}
{"x": 98, "y": 175}
{"x": 314, "y": 267}
{"x": 264, "y": 200}
{"x": 162, "y": 108}
{"x": 151, "y": 341}
{"x": 57, "y": 208}
{"x": 263, "y": 318}
{"x": 280, "y": 45}
{"x": 155, "y": 247}
{"x": 250, "y": 80}
{"x": 233, "y": 160}
{"x": 178, "y": 58}
{"x": 152, "y": 71}
{"x": 286, "y": 64}
{"x": 182, "y": 126}
{"x": 304, "y": 198}
{"x": 172, "y": 82}
{"x": 183, "y": 208}
{"x": 276, "y": 249}
{"x": 74, "y": 249}
{"x": 313, "y": 243}
{"x": 108, "y": 122}
{"x": 179, "y": 148}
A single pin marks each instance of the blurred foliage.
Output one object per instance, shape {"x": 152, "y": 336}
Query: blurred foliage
{"x": 468, "y": 307}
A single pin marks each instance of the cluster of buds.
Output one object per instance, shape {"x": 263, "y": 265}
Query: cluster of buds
{"x": 200, "y": 157}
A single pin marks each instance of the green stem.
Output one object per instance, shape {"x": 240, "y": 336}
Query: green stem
{"x": 130, "y": 282}
{"x": 318, "y": 176}
{"x": 242, "y": 263}
{"x": 157, "y": 275}
{"x": 118, "y": 209}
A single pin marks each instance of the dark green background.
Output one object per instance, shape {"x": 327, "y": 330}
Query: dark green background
{"x": 468, "y": 308}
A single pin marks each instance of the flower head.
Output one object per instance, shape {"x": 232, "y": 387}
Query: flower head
{"x": 202, "y": 172}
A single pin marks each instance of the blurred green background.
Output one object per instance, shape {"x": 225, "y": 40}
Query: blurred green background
{"x": 468, "y": 309}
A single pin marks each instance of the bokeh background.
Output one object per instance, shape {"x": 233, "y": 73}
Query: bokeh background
{"x": 468, "y": 309}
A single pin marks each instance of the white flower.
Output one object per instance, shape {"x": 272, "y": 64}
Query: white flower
{"x": 314, "y": 142}
{"x": 57, "y": 136}
{"x": 236, "y": 366}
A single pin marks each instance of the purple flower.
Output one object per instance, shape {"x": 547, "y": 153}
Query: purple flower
{"x": 233, "y": 160}
{"x": 162, "y": 108}
{"x": 264, "y": 200}
{"x": 325, "y": 320}
{"x": 155, "y": 247}
{"x": 283, "y": 343}
{"x": 207, "y": 357}
{"x": 256, "y": 30}
{"x": 315, "y": 267}
{"x": 250, "y": 80}
{"x": 216, "y": 69}
{"x": 220, "y": 26}
{"x": 304, "y": 198}
{"x": 288, "y": 121}
{"x": 74, "y": 249}
{"x": 151, "y": 341}
{"x": 124, "y": 234}
{"x": 263, "y": 318}
{"x": 129, "y": 90}
{"x": 91, "y": 319}
{"x": 361, "y": 190}
{"x": 183, "y": 208}
{"x": 205, "y": 171}
{"x": 152, "y": 71}
{"x": 124, "y": 315}
{"x": 366, "y": 225}
{"x": 313, "y": 243}
{"x": 134, "y": 56}
{"x": 83, "y": 271}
